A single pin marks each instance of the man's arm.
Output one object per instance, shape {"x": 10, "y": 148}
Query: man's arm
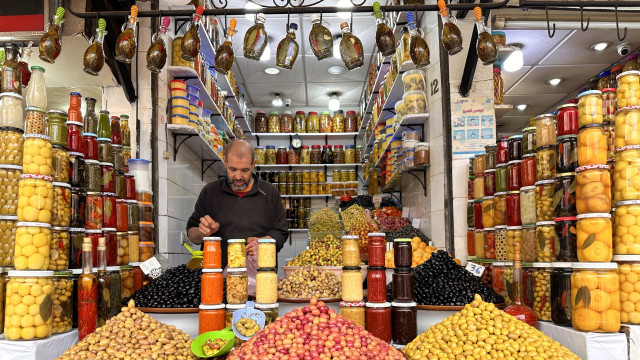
{"x": 280, "y": 230}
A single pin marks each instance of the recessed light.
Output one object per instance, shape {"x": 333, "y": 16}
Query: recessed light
{"x": 554, "y": 81}
{"x": 599, "y": 46}
{"x": 521, "y": 107}
{"x": 272, "y": 71}
{"x": 337, "y": 70}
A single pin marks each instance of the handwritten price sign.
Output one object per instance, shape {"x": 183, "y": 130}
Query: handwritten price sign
{"x": 475, "y": 269}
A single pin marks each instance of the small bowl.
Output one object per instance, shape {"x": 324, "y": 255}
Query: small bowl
{"x": 180, "y": 110}
{"x": 178, "y": 84}
{"x": 179, "y": 119}
{"x": 179, "y": 100}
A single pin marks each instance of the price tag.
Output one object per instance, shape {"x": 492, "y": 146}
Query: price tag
{"x": 475, "y": 269}
{"x": 150, "y": 265}
{"x": 416, "y": 223}
{"x": 405, "y": 212}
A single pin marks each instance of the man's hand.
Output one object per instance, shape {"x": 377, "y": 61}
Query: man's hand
{"x": 208, "y": 226}
{"x": 252, "y": 246}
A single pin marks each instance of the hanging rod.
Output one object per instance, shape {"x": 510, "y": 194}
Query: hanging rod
{"x": 557, "y": 5}
{"x": 284, "y": 11}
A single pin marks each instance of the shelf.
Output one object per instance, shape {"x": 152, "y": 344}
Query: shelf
{"x": 394, "y": 184}
{"x": 407, "y": 123}
{"x": 298, "y": 166}
{"x": 182, "y": 135}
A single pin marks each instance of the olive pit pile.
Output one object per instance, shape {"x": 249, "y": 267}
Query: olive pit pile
{"x": 322, "y": 251}
{"x": 134, "y": 335}
{"x": 481, "y": 331}
{"x": 178, "y": 287}
{"x": 441, "y": 281}
{"x": 314, "y": 332}
{"x": 309, "y": 282}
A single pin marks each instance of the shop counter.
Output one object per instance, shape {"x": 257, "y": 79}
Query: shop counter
{"x": 589, "y": 345}
{"x": 45, "y": 349}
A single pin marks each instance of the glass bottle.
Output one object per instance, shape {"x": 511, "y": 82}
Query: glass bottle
{"x": 124, "y": 129}
{"x": 104, "y": 293}
{"x": 157, "y": 53}
{"x": 320, "y": 39}
{"x": 23, "y": 64}
{"x": 385, "y": 40}
{"x": 287, "y": 50}
{"x": 87, "y": 294}
{"x": 191, "y": 41}
{"x": 451, "y": 36}
{"x": 94, "y": 55}
{"x": 126, "y": 43}
{"x": 255, "y": 39}
{"x": 486, "y": 46}
{"x": 104, "y": 126}
{"x": 350, "y": 48}
{"x": 11, "y": 78}
{"x": 36, "y": 95}
{"x": 90, "y": 118}
{"x": 116, "y": 133}
{"x": 418, "y": 48}
{"x": 224, "y": 55}
{"x": 518, "y": 308}
{"x": 50, "y": 43}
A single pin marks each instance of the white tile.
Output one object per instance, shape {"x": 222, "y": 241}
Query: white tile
{"x": 460, "y": 172}
{"x": 437, "y": 229}
{"x": 437, "y": 196}
{"x": 436, "y": 156}
{"x": 460, "y": 217}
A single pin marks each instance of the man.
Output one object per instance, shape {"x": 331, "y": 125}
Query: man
{"x": 240, "y": 206}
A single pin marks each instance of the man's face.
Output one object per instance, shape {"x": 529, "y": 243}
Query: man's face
{"x": 239, "y": 171}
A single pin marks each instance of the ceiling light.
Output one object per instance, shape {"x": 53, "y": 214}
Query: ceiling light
{"x": 515, "y": 61}
{"x": 336, "y": 47}
{"x": 266, "y": 54}
{"x": 554, "y": 81}
{"x": 272, "y": 71}
{"x": 337, "y": 70}
{"x": 345, "y": 4}
{"x": 599, "y": 46}
{"x": 277, "y": 100}
{"x": 334, "y": 102}
{"x": 251, "y": 6}
{"x": 521, "y": 107}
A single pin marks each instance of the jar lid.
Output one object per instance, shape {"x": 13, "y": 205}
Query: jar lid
{"x": 544, "y": 182}
{"x": 12, "y": 167}
{"x": 9, "y": 217}
{"x": 566, "y": 106}
{"x": 236, "y": 306}
{"x": 87, "y": 134}
{"x": 594, "y": 92}
{"x": 500, "y": 193}
{"x": 514, "y": 162}
{"x": 37, "y": 136}
{"x": 76, "y": 229}
{"x": 211, "y": 238}
{"x": 594, "y": 215}
{"x": 566, "y": 218}
{"x": 627, "y": 202}
{"x": 265, "y": 306}
{"x": 561, "y": 264}
{"x": 61, "y": 273}
{"x": 59, "y": 228}
{"x": 378, "y": 305}
{"x": 236, "y": 241}
{"x": 211, "y": 307}
{"x": 592, "y": 167}
{"x": 565, "y": 174}
{"x": 401, "y": 240}
{"x": 514, "y": 227}
{"x": 541, "y": 265}
{"x": 30, "y": 273}
{"x": 595, "y": 265}
{"x": 633, "y": 258}
{"x": 61, "y": 184}
{"x": 350, "y": 268}
{"x": 205, "y": 270}
{"x": 352, "y": 304}
{"x": 527, "y": 188}
{"x": 630, "y": 147}
{"x": 544, "y": 116}
{"x": 399, "y": 304}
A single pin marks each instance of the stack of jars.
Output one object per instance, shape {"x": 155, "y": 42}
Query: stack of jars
{"x": 403, "y": 308}
{"x": 378, "y": 311}
{"x": 352, "y": 305}
{"x": 212, "y": 313}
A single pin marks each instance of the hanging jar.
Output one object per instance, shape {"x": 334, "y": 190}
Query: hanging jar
{"x": 50, "y": 43}
{"x": 255, "y": 39}
{"x": 11, "y": 76}
{"x": 23, "y": 64}
{"x": 486, "y": 46}
{"x": 126, "y": 43}
{"x": 191, "y": 40}
{"x": 224, "y": 53}
{"x": 350, "y": 48}
{"x": 94, "y": 55}
{"x": 451, "y": 36}
{"x": 287, "y": 50}
{"x": 418, "y": 48}
{"x": 157, "y": 53}
{"x": 320, "y": 39}
{"x": 385, "y": 40}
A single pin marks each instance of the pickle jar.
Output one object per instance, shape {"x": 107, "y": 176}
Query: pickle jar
{"x": 490, "y": 182}
{"x": 61, "y": 213}
{"x": 529, "y": 140}
{"x": 500, "y": 209}
{"x": 567, "y": 153}
{"x": 595, "y": 296}
{"x": 500, "y": 242}
{"x": 545, "y": 130}
{"x": 628, "y": 91}
{"x": 477, "y": 211}
{"x": 627, "y": 126}
{"x": 626, "y": 240}
{"x": 488, "y": 209}
{"x": 594, "y": 240}
{"x": 544, "y": 200}
{"x": 502, "y": 155}
{"x": 629, "y": 275}
{"x": 593, "y": 189}
{"x": 515, "y": 147}
{"x": 564, "y": 198}
{"x": 590, "y": 108}
{"x": 514, "y": 181}
{"x": 546, "y": 162}
{"x": 478, "y": 187}
{"x": 546, "y": 243}
{"x": 528, "y": 175}
{"x": 479, "y": 164}
{"x": 560, "y": 279}
{"x": 566, "y": 235}
{"x": 592, "y": 146}
{"x": 513, "y": 208}
{"x": 501, "y": 176}
{"x": 528, "y": 205}
{"x": 491, "y": 156}
{"x": 542, "y": 290}
{"x": 60, "y": 164}
{"x": 513, "y": 234}
{"x": 567, "y": 119}
{"x": 626, "y": 174}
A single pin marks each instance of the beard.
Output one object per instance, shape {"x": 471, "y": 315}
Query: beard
{"x": 235, "y": 187}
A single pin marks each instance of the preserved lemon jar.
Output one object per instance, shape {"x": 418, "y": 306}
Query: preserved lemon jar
{"x": 595, "y": 297}
{"x": 500, "y": 209}
{"x": 626, "y": 174}
{"x": 37, "y": 157}
{"x": 544, "y": 200}
{"x": 628, "y": 91}
{"x": 35, "y": 198}
{"x": 545, "y": 130}
{"x": 594, "y": 243}
{"x": 32, "y": 246}
{"x": 546, "y": 162}
{"x": 626, "y": 234}
{"x": 29, "y": 290}
{"x": 542, "y": 290}
{"x": 266, "y": 286}
{"x": 488, "y": 214}
{"x": 593, "y": 190}
{"x": 546, "y": 244}
{"x": 590, "y": 108}
{"x": 627, "y": 126}
{"x": 629, "y": 276}
{"x": 592, "y": 146}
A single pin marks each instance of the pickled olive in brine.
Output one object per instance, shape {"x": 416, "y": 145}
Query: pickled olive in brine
{"x": 546, "y": 241}
{"x": 488, "y": 209}
{"x": 544, "y": 200}
{"x": 500, "y": 209}
{"x": 593, "y": 189}
{"x": 545, "y": 130}
{"x": 590, "y": 108}
{"x": 528, "y": 174}
{"x": 628, "y": 91}
{"x": 477, "y": 214}
{"x": 627, "y": 127}
{"x": 542, "y": 291}
{"x": 489, "y": 182}
{"x": 501, "y": 177}
{"x": 594, "y": 241}
{"x": 595, "y": 297}
{"x": 567, "y": 119}
{"x": 513, "y": 208}
{"x": 528, "y": 205}
{"x": 564, "y": 197}
{"x": 592, "y": 146}
{"x": 626, "y": 175}
{"x": 546, "y": 163}
{"x": 478, "y": 187}
{"x": 626, "y": 238}
{"x": 566, "y": 235}
{"x": 514, "y": 182}
{"x": 567, "y": 153}
{"x": 501, "y": 243}
{"x": 529, "y": 140}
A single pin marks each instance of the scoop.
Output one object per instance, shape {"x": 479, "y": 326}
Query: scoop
{"x": 224, "y": 334}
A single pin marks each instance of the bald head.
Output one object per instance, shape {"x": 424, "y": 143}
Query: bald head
{"x": 240, "y": 149}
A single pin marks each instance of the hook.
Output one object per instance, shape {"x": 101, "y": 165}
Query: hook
{"x": 624, "y": 35}
{"x": 584, "y": 28}
{"x": 546, "y": 10}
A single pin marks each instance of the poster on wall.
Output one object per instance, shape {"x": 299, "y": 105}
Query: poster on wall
{"x": 472, "y": 124}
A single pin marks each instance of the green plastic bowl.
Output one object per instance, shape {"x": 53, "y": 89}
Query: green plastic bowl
{"x": 224, "y": 334}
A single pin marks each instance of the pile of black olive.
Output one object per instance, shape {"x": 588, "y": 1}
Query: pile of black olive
{"x": 441, "y": 281}
{"x": 365, "y": 201}
{"x": 178, "y": 287}
{"x": 407, "y": 232}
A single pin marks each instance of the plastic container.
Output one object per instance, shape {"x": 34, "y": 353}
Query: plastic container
{"x": 595, "y": 241}
{"x": 595, "y": 297}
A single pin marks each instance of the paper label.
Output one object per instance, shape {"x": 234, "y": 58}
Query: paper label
{"x": 150, "y": 265}
{"x": 416, "y": 223}
{"x": 405, "y": 212}
{"x": 475, "y": 269}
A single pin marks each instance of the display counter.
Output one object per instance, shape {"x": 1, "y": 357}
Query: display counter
{"x": 589, "y": 345}
{"x": 45, "y": 349}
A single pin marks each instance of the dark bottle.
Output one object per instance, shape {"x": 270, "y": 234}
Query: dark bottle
{"x": 418, "y": 48}
{"x": 191, "y": 41}
{"x": 385, "y": 40}
{"x": 224, "y": 54}
{"x": 350, "y": 48}
{"x": 157, "y": 53}
{"x": 451, "y": 36}
{"x": 94, "y": 55}
{"x": 11, "y": 76}
{"x": 25, "y": 73}
{"x": 320, "y": 39}
{"x": 287, "y": 50}
{"x": 255, "y": 39}
{"x": 126, "y": 43}
{"x": 50, "y": 43}
{"x": 486, "y": 46}
{"x": 518, "y": 308}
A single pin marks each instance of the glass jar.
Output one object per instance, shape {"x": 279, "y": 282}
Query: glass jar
{"x": 545, "y": 130}
{"x": 594, "y": 240}
{"x": 404, "y": 322}
{"x": 564, "y": 198}
{"x": 313, "y": 122}
{"x": 237, "y": 286}
{"x": 89, "y": 146}
{"x": 542, "y": 290}
{"x": 567, "y": 119}
{"x": 590, "y": 108}
{"x": 35, "y": 198}
{"x": 544, "y": 200}
{"x": 514, "y": 182}
{"x": 528, "y": 170}
{"x": 261, "y": 122}
{"x": 11, "y": 111}
{"x": 24, "y": 287}
{"x": 567, "y": 153}
{"x": 528, "y": 205}
{"x": 566, "y": 235}
{"x": 350, "y": 154}
{"x": 266, "y": 287}
{"x": 489, "y": 182}
{"x": 479, "y": 164}
{"x": 37, "y": 155}
{"x": 628, "y": 91}
{"x": 628, "y": 273}
{"x": 601, "y": 313}
{"x": 529, "y": 140}
{"x": 78, "y": 202}
{"x": 477, "y": 211}
{"x": 500, "y": 243}
{"x": 502, "y": 171}
{"x": 626, "y": 240}
{"x": 378, "y": 320}
{"x": 513, "y": 208}
{"x": 36, "y": 123}
{"x": 35, "y": 236}
{"x": 491, "y": 156}
{"x": 515, "y": 147}
{"x": 500, "y": 209}
{"x": 61, "y": 209}
{"x": 60, "y": 164}
{"x": 593, "y": 190}
{"x": 325, "y": 122}
{"x": 546, "y": 246}
{"x": 286, "y": 122}
{"x": 316, "y": 154}
{"x": 592, "y": 146}
{"x": 270, "y": 155}
{"x": 627, "y": 127}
